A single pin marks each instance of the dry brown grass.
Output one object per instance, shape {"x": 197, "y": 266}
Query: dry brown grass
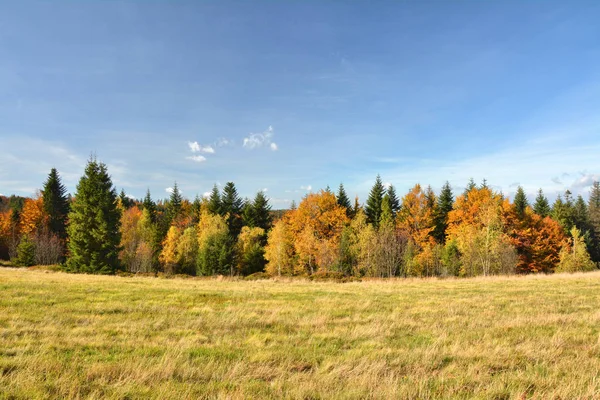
{"x": 78, "y": 336}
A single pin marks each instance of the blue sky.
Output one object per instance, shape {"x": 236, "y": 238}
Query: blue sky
{"x": 291, "y": 96}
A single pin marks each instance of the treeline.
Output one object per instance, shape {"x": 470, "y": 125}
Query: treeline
{"x": 480, "y": 232}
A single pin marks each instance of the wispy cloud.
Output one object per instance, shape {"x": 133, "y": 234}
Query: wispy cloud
{"x": 223, "y": 142}
{"x": 197, "y": 158}
{"x": 308, "y": 188}
{"x": 257, "y": 140}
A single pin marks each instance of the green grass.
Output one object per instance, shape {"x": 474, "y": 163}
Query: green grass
{"x": 78, "y": 336}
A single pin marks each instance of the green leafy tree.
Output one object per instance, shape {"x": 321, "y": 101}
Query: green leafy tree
{"x": 344, "y": 201}
{"x": 541, "y": 206}
{"x": 444, "y": 206}
{"x": 25, "y": 252}
{"x": 577, "y": 258}
{"x": 56, "y": 204}
{"x": 374, "y": 202}
{"x": 94, "y": 228}
{"x": 520, "y": 203}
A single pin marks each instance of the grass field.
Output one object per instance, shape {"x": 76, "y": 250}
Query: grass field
{"x": 77, "y": 336}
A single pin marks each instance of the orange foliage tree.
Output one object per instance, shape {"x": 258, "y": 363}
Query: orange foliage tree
{"x": 317, "y": 226}
{"x": 33, "y": 217}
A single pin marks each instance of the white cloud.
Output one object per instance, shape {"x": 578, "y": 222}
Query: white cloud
{"x": 257, "y": 140}
{"x": 197, "y": 159}
{"x": 387, "y": 185}
{"x": 169, "y": 190}
{"x": 222, "y": 142}
{"x": 206, "y": 195}
{"x": 585, "y": 180}
{"x": 308, "y": 188}
{"x": 197, "y": 148}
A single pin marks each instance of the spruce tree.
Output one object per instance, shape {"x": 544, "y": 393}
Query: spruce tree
{"x": 196, "y": 208}
{"x": 344, "y": 201}
{"x": 374, "y": 201}
{"x": 173, "y": 207}
{"x": 470, "y": 186}
{"x": 261, "y": 212}
{"x": 394, "y": 201}
{"x": 520, "y": 203}
{"x": 594, "y": 218}
{"x": 214, "y": 201}
{"x": 148, "y": 204}
{"x": 444, "y": 205}
{"x": 125, "y": 201}
{"x": 94, "y": 223}
{"x": 541, "y": 206}
{"x": 56, "y": 204}
{"x": 231, "y": 207}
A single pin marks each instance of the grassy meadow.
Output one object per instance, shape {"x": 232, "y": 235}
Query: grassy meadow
{"x": 79, "y": 336}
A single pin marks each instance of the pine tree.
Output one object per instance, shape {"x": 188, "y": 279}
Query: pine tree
{"x": 594, "y": 218}
{"x": 470, "y": 186}
{"x": 444, "y": 206}
{"x": 394, "y": 200}
{"x": 174, "y": 204}
{"x": 56, "y": 205}
{"x": 373, "y": 206}
{"x": 520, "y": 203}
{"x": 541, "y": 206}
{"x": 344, "y": 201}
{"x": 94, "y": 228}
{"x": 261, "y": 212}
{"x": 196, "y": 207}
{"x": 125, "y": 201}
{"x": 563, "y": 212}
{"x": 231, "y": 207}
{"x": 214, "y": 201}
{"x": 357, "y": 207}
{"x": 293, "y": 205}
{"x": 149, "y": 205}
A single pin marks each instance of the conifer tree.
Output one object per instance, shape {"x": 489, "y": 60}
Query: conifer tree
{"x": 56, "y": 205}
{"x": 261, "y": 212}
{"x": 148, "y": 204}
{"x": 196, "y": 207}
{"x": 541, "y": 206}
{"x": 231, "y": 208}
{"x": 214, "y": 201}
{"x": 174, "y": 204}
{"x": 374, "y": 201}
{"x": 293, "y": 205}
{"x": 94, "y": 234}
{"x": 394, "y": 200}
{"x": 594, "y": 218}
{"x": 125, "y": 201}
{"x": 344, "y": 201}
{"x": 444, "y": 206}
{"x": 470, "y": 186}
{"x": 520, "y": 203}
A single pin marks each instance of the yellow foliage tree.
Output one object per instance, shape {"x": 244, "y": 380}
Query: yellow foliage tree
{"x": 168, "y": 256}
{"x": 279, "y": 251}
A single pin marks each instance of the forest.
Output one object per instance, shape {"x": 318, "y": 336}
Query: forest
{"x": 421, "y": 234}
